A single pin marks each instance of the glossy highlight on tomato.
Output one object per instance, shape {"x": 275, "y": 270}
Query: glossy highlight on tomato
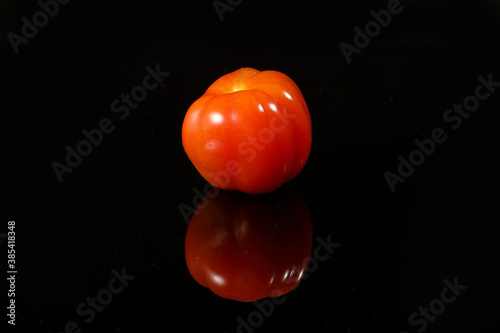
{"x": 250, "y": 131}
{"x": 248, "y": 247}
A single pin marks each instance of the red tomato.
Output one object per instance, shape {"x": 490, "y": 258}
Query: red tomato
{"x": 246, "y": 247}
{"x": 250, "y": 131}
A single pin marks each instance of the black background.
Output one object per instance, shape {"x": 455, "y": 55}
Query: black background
{"x": 119, "y": 208}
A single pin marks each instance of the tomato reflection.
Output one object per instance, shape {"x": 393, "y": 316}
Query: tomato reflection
{"x": 248, "y": 247}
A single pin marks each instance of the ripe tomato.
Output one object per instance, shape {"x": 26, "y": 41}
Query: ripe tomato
{"x": 246, "y": 247}
{"x": 250, "y": 131}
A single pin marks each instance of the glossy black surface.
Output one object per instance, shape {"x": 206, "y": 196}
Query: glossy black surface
{"x": 119, "y": 208}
